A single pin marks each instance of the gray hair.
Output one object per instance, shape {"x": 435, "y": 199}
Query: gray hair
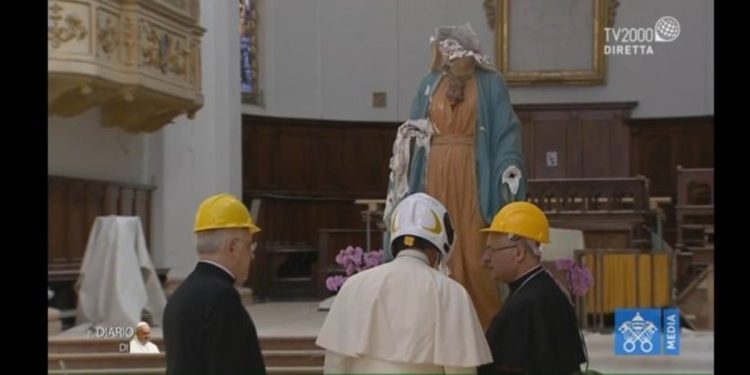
{"x": 210, "y": 241}
{"x": 529, "y": 245}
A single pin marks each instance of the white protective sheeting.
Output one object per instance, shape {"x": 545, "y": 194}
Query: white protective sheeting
{"x": 117, "y": 279}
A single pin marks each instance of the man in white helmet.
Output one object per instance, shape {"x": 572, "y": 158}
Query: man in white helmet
{"x": 406, "y": 316}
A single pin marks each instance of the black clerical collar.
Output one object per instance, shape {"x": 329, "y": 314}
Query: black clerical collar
{"x": 514, "y": 285}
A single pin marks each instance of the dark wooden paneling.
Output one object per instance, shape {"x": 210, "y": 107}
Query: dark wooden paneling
{"x": 307, "y": 175}
{"x": 527, "y": 136}
{"x": 309, "y": 172}
{"x": 550, "y": 133}
{"x": 294, "y": 158}
{"x": 94, "y": 203}
{"x": 328, "y": 174}
{"x": 620, "y": 140}
{"x": 591, "y": 139}
{"x": 56, "y": 210}
{"x": 607, "y": 239}
{"x": 111, "y": 199}
{"x": 75, "y": 220}
{"x": 127, "y": 202}
{"x": 75, "y": 203}
{"x": 259, "y": 149}
{"x": 596, "y": 160}
{"x": 323, "y": 158}
{"x": 660, "y": 145}
{"x": 574, "y": 141}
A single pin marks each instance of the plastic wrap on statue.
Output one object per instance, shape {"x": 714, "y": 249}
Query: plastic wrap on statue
{"x": 117, "y": 280}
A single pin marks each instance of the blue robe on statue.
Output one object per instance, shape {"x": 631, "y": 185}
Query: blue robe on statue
{"x": 498, "y": 142}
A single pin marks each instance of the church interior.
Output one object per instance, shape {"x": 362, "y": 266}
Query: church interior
{"x": 294, "y": 105}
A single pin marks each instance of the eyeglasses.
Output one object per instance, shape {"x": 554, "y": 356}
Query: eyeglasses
{"x": 252, "y": 247}
{"x": 496, "y": 249}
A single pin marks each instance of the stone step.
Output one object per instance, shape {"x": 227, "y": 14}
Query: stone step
{"x": 57, "y": 344}
{"x": 162, "y": 370}
{"x": 288, "y": 343}
{"x": 126, "y": 371}
{"x": 272, "y": 358}
{"x": 294, "y": 358}
{"x": 104, "y": 360}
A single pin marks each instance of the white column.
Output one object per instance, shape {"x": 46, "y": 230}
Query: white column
{"x": 193, "y": 159}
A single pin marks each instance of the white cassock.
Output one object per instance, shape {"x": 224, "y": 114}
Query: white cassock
{"x": 137, "y": 347}
{"x": 403, "y": 317}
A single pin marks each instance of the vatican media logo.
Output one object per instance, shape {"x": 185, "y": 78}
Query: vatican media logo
{"x": 644, "y": 332}
{"x": 640, "y": 40}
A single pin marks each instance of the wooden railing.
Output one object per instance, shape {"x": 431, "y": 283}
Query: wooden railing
{"x": 610, "y": 211}
{"x": 590, "y": 194}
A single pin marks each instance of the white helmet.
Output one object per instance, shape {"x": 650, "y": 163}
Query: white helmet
{"x": 423, "y": 216}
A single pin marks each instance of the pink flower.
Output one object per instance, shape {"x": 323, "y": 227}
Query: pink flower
{"x": 334, "y": 283}
{"x": 580, "y": 279}
{"x": 353, "y": 260}
{"x": 564, "y": 264}
{"x": 341, "y": 259}
{"x": 373, "y": 259}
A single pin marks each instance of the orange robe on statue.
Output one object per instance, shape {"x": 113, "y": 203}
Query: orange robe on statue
{"x": 451, "y": 178}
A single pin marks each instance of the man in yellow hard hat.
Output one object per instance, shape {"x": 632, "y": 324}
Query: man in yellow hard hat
{"x": 207, "y": 330}
{"x": 536, "y": 331}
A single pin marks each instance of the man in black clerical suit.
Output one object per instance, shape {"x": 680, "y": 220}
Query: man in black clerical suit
{"x": 536, "y": 331}
{"x": 207, "y": 330}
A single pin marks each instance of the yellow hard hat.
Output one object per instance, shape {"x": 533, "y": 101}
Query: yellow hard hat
{"x": 223, "y": 211}
{"x": 522, "y": 219}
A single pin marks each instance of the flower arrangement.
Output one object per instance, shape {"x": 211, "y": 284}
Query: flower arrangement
{"x": 579, "y": 276}
{"x": 353, "y": 260}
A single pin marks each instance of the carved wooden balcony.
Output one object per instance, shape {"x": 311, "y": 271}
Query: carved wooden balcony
{"x": 139, "y": 60}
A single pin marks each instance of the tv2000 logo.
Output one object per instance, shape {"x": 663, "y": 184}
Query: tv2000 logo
{"x": 638, "y": 40}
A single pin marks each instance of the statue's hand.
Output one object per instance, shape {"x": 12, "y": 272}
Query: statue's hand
{"x": 512, "y": 178}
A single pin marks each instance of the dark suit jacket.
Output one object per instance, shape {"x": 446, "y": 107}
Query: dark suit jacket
{"x": 207, "y": 330}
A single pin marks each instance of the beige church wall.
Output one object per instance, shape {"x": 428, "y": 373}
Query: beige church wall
{"x": 81, "y": 147}
{"x": 676, "y": 81}
{"x": 323, "y": 59}
{"x": 193, "y": 159}
{"x": 186, "y": 161}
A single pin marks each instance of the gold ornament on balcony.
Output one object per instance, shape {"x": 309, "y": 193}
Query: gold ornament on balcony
{"x": 60, "y": 33}
{"x": 164, "y": 52}
{"x": 107, "y": 37}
